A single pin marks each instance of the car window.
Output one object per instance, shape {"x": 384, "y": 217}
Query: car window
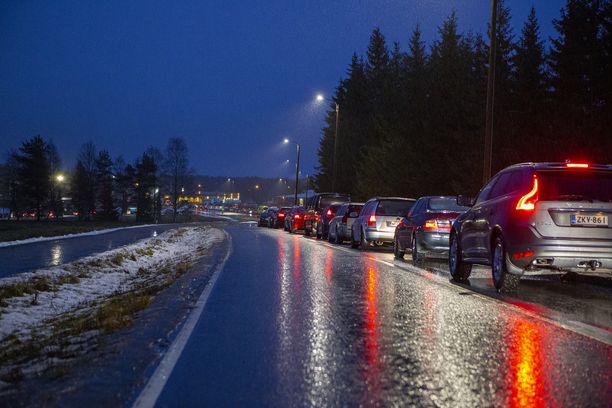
{"x": 484, "y": 192}
{"x": 393, "y": 207}
{"x": 416, "y": 208}
{"x": 326, "y": 201}
{"x": 445, "y": 204}
{"x": 367, "y": 209}
{"x": 499, "y": 189}
{"x": 575, "y": 186}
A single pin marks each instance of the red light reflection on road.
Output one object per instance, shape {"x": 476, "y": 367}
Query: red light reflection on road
{"x": 297, "y": 272}
{"x": 371, "y": 341}
{"x": 526, "y": 365}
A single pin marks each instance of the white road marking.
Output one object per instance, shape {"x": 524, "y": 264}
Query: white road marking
{"x": 152, "y": 390}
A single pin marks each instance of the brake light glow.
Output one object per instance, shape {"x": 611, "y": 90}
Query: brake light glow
{"x": 281, "y": 215}
{"x": 372, "y": 220}
{"x": 527, "y": 202}
{"x": 519, "y": 255}
{"x": 329, "y": 213}
{"x": 577, "y": 165}
{"x": 437, "y": 225}
{"x": 296, "y": 216}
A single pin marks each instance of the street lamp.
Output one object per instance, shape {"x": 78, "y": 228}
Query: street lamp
{"x": 320, "y": 98}
{"x": 297, "y": 168}
{"x": 60, "y": 179}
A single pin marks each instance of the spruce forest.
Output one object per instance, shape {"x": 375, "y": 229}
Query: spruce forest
{"x": 411, "y": 119}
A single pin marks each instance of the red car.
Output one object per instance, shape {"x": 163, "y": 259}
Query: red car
{"x": 294, "y": 220}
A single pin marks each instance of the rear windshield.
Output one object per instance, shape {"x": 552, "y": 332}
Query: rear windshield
{"x": 588, "y": 186}
{"x": 393, "y": 207}
{"x": 326, "y": 201}
{"x": 355, "y": 208}
{"x": 445, "y": 204}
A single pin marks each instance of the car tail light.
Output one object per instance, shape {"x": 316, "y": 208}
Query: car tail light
{"x": 577, "y": 165}
{"x": 372, "y": 221}
{"x": 281, "y": 215}
{"x": 345, "y": 218}
{"x": 330, "y": 214}
{"x": 296, "y": 216}
{"x": 527, "y": 202}
{"x": 437, "y": 225}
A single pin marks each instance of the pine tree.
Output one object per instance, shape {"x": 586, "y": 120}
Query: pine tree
{"x": 575, "y": 61}
{"x": 146, "y": 181}
{"x": 530, "y": 91}
{"x": 81, "y": 199}
{"x": 104, "y": 186}
{"x": 34, "y": 173}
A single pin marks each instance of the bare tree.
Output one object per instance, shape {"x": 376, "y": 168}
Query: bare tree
{"x": 177, "y": 167}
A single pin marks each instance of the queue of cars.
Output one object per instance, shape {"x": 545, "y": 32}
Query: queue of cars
{"x": 528, "y": 218}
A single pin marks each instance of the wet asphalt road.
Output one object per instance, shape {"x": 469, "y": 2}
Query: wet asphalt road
{"x": 28, "y": 257}
{"x": 295, "y": 322}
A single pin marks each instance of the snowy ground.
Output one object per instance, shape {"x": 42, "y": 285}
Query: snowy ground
{"x": 78, "y": 286}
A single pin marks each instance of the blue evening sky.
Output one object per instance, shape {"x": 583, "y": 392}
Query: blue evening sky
{"x": 233, "y": 78}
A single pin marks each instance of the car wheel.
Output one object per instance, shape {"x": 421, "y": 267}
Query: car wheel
{"x": 503, "y": 280}
{"x": 459, "y": 270}
{"x": 399, "y": 254}
{"x": 363, "y": 242}
{"x": 417, "y": 257}
{"x": 354, "y": 243}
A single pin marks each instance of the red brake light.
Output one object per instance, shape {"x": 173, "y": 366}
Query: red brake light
{"x": 372, "y": 220}
{"x": 296, "y": 216}
{"x": 577, "y": 165}
{"x": 526, "y": 254}
{"x": 329, "y": 213}
{"x": 281, "y": 215}
{"x": 527, "y": 202}
{"x": 437, "y": 225}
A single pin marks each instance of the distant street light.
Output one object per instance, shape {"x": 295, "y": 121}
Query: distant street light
{"x": 297, "y": 168}
{"x": 60, "y": 178}
{"x": 320, "y": 97}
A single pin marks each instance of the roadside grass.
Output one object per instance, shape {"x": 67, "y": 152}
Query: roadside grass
{"x": 11, "y": 230}
{"x": 75, "y": 333}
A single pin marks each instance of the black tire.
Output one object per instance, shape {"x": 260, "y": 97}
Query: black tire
{"x": 363, "y": 242}
{"x": 459, "y": 270}
{"x": 399, "y": 254}
{"x": 417, "y": 257}
{"x": 354, "y": 244}
{"x": 503, "y": 281}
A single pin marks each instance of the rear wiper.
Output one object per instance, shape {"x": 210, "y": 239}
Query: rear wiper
{"x": 575, "y": 197}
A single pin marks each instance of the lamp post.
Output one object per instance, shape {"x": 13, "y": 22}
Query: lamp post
{"x": 321, "y": 98}
{"x": 297, "y": 168}
{"x": 60, "y": 180}
{"x": 488, "y": 141}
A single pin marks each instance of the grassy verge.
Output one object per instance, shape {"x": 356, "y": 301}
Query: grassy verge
{"x": 24, "y": 229}
{"x": 75, "y": 334}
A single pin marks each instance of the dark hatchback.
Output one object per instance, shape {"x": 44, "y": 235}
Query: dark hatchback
{"x": 317, "y": 204}
{"x": 278, "y": 217}
{"x": 426, "y": 228}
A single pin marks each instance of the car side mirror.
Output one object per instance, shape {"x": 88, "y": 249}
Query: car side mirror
{"x": 465, "y": 201}
{"x": 353, "y": 214}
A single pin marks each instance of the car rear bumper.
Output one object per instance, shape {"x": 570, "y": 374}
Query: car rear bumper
{"x": 581, "y": 256}
{"x": 376, "y": 235}
{"x": 433, "y": 243}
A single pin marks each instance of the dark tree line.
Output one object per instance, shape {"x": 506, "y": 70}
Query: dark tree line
{"x": 412, "y": 122}
{"x": 99, "y": 186}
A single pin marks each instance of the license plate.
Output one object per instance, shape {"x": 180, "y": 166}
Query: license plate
{"x": 589, "y": 220}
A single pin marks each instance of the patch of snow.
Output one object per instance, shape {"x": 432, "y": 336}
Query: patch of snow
{"x": 80, "y": 234}
{"x": 101, "y": 278}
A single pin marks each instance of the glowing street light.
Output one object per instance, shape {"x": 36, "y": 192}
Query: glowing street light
{"x": 320, "y": 97}
{"x": 60, "y": 178}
